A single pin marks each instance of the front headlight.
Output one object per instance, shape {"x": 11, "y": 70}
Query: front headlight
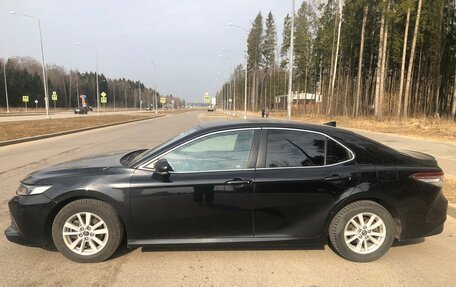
{"x": 24, "y": 189}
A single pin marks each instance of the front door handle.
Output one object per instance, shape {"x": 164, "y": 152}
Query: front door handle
{"x": 338, "y": 177}
{"x": 238, "y": 182}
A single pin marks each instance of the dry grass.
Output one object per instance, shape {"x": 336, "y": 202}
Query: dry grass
{"x": 449, "y": 188}
{"x": 22, "y": 129}
{"x": 428, "y": 128}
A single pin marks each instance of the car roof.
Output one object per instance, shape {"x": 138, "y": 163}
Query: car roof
{"x": 257, "y": 123}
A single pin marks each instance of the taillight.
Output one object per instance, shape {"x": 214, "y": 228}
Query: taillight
{"x": 434, "y": 178}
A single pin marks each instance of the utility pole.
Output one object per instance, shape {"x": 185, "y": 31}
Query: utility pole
{"x": 140, "y": 100}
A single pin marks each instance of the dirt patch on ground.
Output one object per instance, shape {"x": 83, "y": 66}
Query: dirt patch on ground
{"x": 449, "y": 188}
{"x": 427, "y": 128}
{"x": 23, "y": 129}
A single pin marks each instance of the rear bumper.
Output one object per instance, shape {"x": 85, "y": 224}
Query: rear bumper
{"x": 427, "y": 223}
{"x": 29, "y": 220}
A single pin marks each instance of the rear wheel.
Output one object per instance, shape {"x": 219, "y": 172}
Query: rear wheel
{"x": 87, "y": 230}
{"x": 363, "y": 231}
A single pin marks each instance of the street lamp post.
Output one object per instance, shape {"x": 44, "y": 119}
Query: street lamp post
{"x": 125, "y": 93}
{"x": 6, "y": 84}
{"x": 226, "y": 100}
{"x": 96, "y": 74}
{"x": 154, "y": 94}
{"x": 46, "y": 95}
{"x": 246, "y": 62}
{"x": 139, "y": 93}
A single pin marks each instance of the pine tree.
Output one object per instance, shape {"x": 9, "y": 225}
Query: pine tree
{"x": 254, "y": 41}
{"x": 268, "y": 49}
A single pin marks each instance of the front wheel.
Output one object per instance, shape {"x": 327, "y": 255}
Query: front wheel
{"x": 363, "y": 231}
{"x": 87, "y": 230}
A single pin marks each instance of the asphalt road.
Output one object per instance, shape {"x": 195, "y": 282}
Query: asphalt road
{"x": 428, "y": 263}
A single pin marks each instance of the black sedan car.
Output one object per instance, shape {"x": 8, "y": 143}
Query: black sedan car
{"x": 235, "y": 183}
{"x": 81, "y": 110}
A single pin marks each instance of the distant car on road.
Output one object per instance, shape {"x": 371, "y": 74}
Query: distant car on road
{"x": 81, "y": 110}
{"x": 235, "y": 183}
{"x": 211, "y": 108}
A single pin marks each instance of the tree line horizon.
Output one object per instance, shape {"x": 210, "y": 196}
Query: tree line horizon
{"x": 24, "y": 78}
{"x": 378, "y": 58}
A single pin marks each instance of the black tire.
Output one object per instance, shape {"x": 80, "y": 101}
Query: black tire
{"x": 99, "y": 208}
{"x": 341, "y": 220}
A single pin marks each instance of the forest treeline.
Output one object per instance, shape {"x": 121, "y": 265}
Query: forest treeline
{"x": 24, "y": 78}
{"x": 394, "y": 58}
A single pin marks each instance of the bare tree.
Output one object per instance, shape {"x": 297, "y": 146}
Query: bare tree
{"x": 360, "y": 62}
{"x": 404, "y": 54}
{"x": 411, "y": 60}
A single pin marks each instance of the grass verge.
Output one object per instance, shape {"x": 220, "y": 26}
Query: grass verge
{"x": 427, "y": 128}
{"x": 449, "y": 188}
{"x": 24, "y": 129}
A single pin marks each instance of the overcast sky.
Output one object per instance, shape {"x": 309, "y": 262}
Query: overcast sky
{"x": 182, "y": 37}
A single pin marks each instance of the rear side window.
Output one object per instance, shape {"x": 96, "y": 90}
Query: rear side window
{"x": 335, "y": 153}
{"x": 294, "y": 148}
{"x": 288, "y": 148}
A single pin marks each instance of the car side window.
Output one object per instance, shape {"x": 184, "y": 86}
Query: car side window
{"x": 221, "y": 151}
{"x": 335, "y": 153}
{"x": 287, "y": 148}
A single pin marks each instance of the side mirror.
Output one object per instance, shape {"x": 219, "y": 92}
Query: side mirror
{"x": 162, "y": 167}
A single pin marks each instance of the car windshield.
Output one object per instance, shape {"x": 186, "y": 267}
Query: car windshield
{"x": 148, "y": 152}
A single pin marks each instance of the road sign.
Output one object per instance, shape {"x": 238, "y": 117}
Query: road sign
{"x": 104, "y": 100}
{"x": 207, "y": 99}
{"x": 54, "y": 96}
{"x": 230, "y": 100}
{"x": 25, "y": 99}
{"x": 36, "y": 101}
{"x": 103, "y": 94}
{"x": 163, "y": 100}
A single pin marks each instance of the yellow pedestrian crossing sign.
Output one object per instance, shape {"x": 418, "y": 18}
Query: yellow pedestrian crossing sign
{"x": 25, "y": 99}
{"x": 163, "y": 100}
{"x": 207, "y": 99}
{"x": 104, "y": 100}
{"x": 54, "y": 96}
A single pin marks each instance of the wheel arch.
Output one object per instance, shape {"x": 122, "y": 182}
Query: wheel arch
{"x": 358, "y": 197}
{"x": 62, "y": 202}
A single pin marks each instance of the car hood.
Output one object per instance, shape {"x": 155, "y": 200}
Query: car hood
{"x": 88, "y": 165}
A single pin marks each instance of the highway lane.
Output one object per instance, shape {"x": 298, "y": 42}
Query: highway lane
{"x": 423, "y": 264}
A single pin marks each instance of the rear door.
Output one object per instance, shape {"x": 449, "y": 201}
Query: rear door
{"x": 300, "y": 175}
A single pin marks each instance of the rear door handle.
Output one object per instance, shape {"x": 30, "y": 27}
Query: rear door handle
{"x": 337, "y": 178}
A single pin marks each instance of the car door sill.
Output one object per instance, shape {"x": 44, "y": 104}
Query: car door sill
{"x": 152, "y": 242}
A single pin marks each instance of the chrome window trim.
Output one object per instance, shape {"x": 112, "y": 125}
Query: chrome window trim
{"x": 144, "y": 166}
{"x": 304, "y": 167}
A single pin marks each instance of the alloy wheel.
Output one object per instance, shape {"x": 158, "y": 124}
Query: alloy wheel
{"x": 365, "y": 233}
{"x": 85, "y": 233}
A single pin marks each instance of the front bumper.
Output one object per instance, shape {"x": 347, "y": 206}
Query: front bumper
{"x": 30, "y": 220}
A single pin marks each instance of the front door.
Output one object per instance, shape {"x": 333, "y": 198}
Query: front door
{"x": 208, "y": 194}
